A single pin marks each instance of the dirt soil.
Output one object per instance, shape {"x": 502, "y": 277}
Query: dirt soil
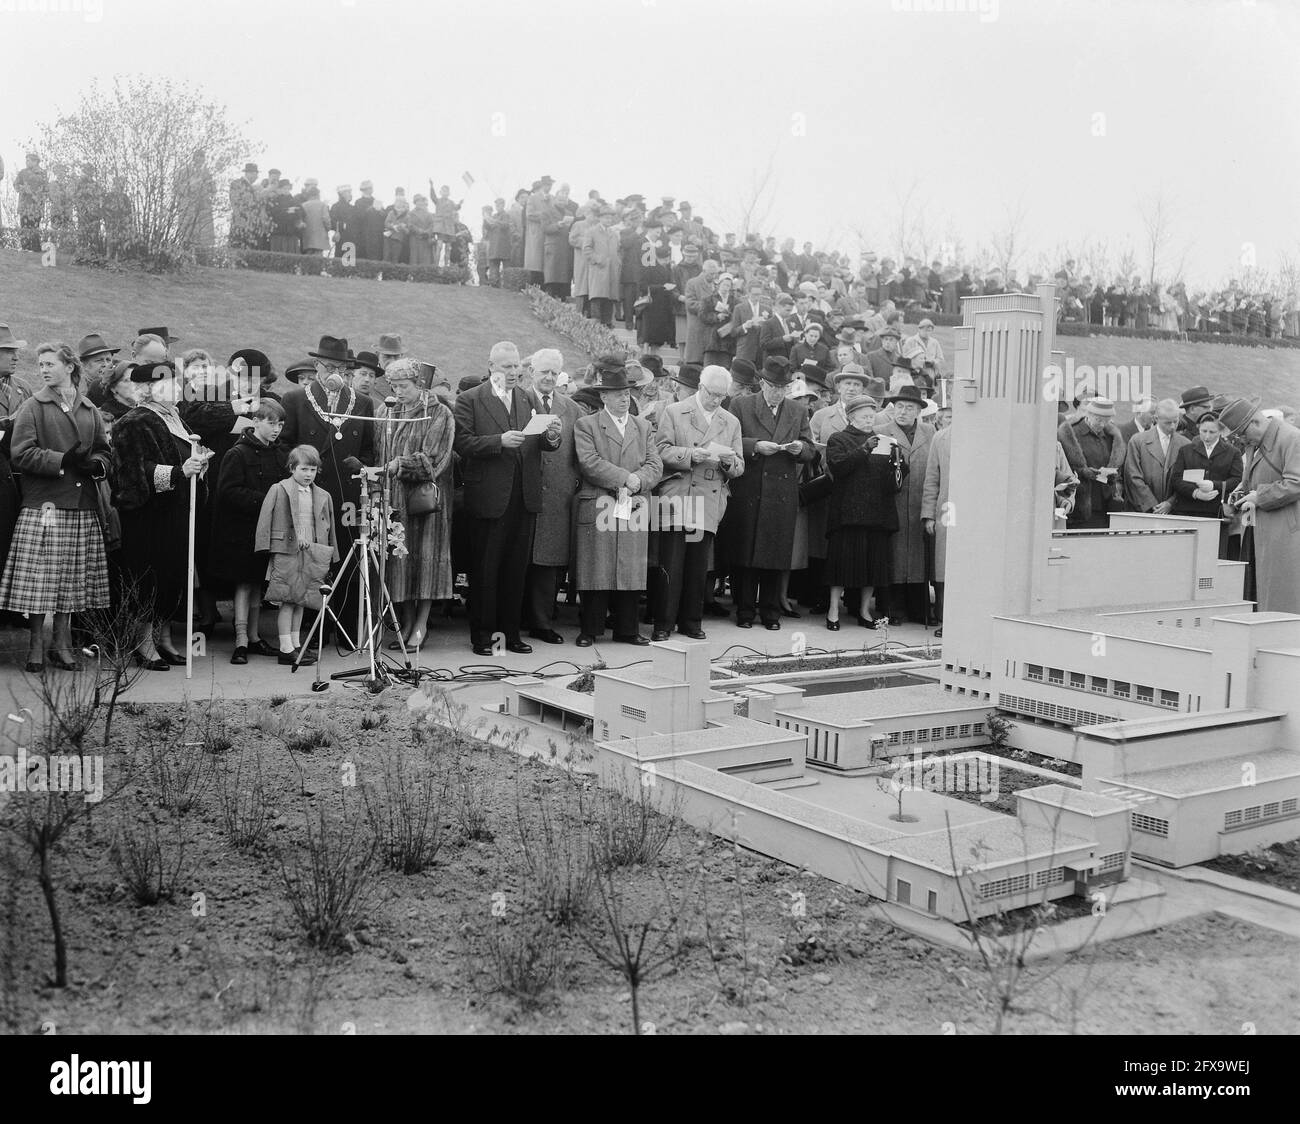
{"x": 767, "y": 948}
{"x": 1278, "y": 865}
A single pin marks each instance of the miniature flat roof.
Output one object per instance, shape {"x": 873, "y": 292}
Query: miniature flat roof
{"x": 1001, "y": 842}
{"x": 638, "y": 676}
{"x": 1074, "y": 799}
{"x": 1197, "y": 777}
{"x": 1129, "y": 627}
{"x": 1163, "y": 726}
{"x": 852, "y": 708}
{"x": 732, "y": 734}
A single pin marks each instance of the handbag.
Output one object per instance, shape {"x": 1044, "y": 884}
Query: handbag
{"x": 424, "y": 499}
{"x": 818, "y": 488}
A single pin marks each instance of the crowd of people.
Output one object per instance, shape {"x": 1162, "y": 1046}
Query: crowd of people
{"x": 651, "y": 494}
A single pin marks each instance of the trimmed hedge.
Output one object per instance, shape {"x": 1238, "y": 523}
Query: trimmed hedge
{"x": 590, "y": 335}
{"x": 1074, "y": 328}
{"x": 264, "y": 261}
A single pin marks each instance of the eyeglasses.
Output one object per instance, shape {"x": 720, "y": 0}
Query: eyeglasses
{"x": 333, "y": 368}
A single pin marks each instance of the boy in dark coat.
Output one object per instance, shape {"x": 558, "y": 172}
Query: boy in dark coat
{"x": 253, "y": 465}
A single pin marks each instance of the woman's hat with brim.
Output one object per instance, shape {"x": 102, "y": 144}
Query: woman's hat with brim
{"x": 256, "y": 362}
{"x": 1236, "y": 415}
{"x": 930, "y": 408}
{"x": 776, "y": 370}
{"x": 153, "y": 372}
{"x": 638, "y": 375}
{"x": 88, "y": 348}
{"x": 1100, "y": 407}
{"x": 333, "y": 350}
{"x": 295, "y": 371}
{"x": 858, "y": 402}
{"x": 907, "y": 394}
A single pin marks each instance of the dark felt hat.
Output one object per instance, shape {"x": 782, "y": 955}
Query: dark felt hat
{"x": 653, "y": 364}
{"x": 257, "y": 363}
{"x": 93, "y": 345}
{"x": 907, "y": 394}
{"x": 162, "y": 333}
{"x": 776, "y": 370}
{"x": 468, "y": 382}
{"x": 610, "y": 374}
{"x": 689, "y": 375}
{"x": 368, "y": 359}
{"x": 744, "y": 372}
{"x": 1235, "y": 416}
{"x": 333, "y": 350}
{"x": 152, "y": 372}
{"x": 1195, "y": 396}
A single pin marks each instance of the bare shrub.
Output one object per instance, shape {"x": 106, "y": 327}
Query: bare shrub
{"x": 636, "y": 821}
{"x": 267, "y": 992}
{"x": 246, "y": 810}
{"x": 177, "y": 766}
{"x": 522, "y": 956}
{"x": 407, "y": 808}
{"x": 150, "y": 855}
{"x": 554, "y": 856}
{"x": 331, "y": 880}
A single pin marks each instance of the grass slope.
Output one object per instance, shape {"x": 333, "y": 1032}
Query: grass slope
{"x": 284, "y": 316}
{"x": 454, "y": 327}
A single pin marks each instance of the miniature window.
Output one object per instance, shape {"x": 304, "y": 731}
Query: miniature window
{"x": 1056, "y": 675}
{"x": 1049, "y": 877}
{"x": 1252, "y": 814}
{"x": 1288, "y": 806}
{"x": 1122, "y": 690}
{"x": 1169, "y": 699}
{"x": 893, "y": 737}
{"x": 931, "y": 902}
{"x": 977, "y": 729}
{"x": 936, "y": 734}
{"x": 1078, "y": 680}
{"x": 1113, "y": 861}
{"x": 908, "y": 736}
{"x": 1153, "y": 826}
{"x": 950, "y": 732}
{"x": 1270, "y": 809}
{"x": 1232, "y": 819}
{"x": 634, "y": 712}
{"x": 903, "y": 892}
{"x": 1145, "y": 694}
{"x": 1034, "y": 671}
{"x": 1100, "y": 686}
{"x": 922, "y": 735}
{"x": 965, "y": 730}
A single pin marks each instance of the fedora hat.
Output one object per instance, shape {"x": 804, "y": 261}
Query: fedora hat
{"x": 641, "y": 376}
{"x": 7, "y": 339}
{"x": 653, "y": 364}
{"x": 850, "y": 371}
{"x": 333, "y": 350}
{"x": 688, "y": 375}
{"x": 368, "y": 359}
{"x": 1195, "y": 396}
{"x": 1236, "y": 414}
{"x": 815, "y": 376}
{"x": 152, "y": 372}
{"x": 611, "y": 378}
{"x": 776, "y": 370}
{"x": 890, "y": 332}
{"x": 93, "y": 345}
{"x": 162, "y": 333}
{"x": 907, "y": 394}
{"x": 744, "y": 372}
{"x": 295, "y": 371}
{"x": 251, "y": 167}
{"x": 877, "y": 389}
{"x": 391, "y": 344}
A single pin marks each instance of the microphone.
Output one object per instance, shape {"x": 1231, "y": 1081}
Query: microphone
{"x": 390, "y": 403}
{"x": 368, "y": 476}
{"x": 334, "y": 382}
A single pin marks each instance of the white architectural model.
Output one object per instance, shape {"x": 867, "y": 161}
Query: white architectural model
{"x": 1129, "y": 651}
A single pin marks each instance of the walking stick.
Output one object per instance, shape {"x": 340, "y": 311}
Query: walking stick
{"x": 189, "y": 597}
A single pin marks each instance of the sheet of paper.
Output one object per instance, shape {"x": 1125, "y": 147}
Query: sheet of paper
{"x": 717, "y": 449}
{"x": 1194, "y": 475}
{"x": 539, "y": 423}
{"x": 884, "y": 446}
{"x": 623, "y": 506}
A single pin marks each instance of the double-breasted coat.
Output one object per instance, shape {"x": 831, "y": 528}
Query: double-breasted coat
{"x": 600, "y": 248}
{"x": 553, "y": 539}
{"x": 934, "y": 497}
{"x": 1273, "y": 473}
{"x": 909, "y": 542}
{"x": 699, "y": 291}
{"x": 695, "y": 495}
{"x": 759, "y": 527}
{"x": 612, "y": 553}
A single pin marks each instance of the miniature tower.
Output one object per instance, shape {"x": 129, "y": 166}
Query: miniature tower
{"x": 1000, "y": 502}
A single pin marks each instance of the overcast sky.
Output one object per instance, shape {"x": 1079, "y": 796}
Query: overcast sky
{"x": 1081, "y": 109}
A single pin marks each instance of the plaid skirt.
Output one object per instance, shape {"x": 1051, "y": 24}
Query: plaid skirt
{"x": 56, "y": 563}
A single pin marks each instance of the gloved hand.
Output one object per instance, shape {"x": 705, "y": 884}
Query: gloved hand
{"x": 71, "y": 459}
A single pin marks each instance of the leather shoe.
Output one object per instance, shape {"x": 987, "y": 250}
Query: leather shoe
{"x": 633, "y": 638}
{"x": 57, "y": 661}
{"x": 239, "y": 655}
{"x": 773, "y": 626}
{"x": 546, "y": 636}
{"x": 793, "y": 613}
{"x": 585, "y": 640}
{"x": 173, "y": 658}
{"x": 261, "y": 648}
{"x": 660, "y": 635}
{"x": 692, "y": 633}
{"x": 518, "y": 647}
{"x": 483, "y": 650}
{"x": 744, "y": 624}
{"x": 832, "y": 626}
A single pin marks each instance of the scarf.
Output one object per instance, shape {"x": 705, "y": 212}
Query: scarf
{"x": 171, "y": 419}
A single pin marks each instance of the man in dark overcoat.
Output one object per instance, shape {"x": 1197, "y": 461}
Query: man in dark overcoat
{"x": 758, "y": 527}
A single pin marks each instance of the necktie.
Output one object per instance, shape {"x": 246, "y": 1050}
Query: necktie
{"x": 546, "y": 403}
